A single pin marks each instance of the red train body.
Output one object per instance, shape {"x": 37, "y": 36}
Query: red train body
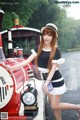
{"x": 15, "y": 46}
{"x": 11, "y": 86}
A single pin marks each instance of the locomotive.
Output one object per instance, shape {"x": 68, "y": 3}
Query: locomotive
{"x": 21, "y": 97}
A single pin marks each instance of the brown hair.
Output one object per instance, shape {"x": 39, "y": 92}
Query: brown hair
{"x": 53, "y": 46}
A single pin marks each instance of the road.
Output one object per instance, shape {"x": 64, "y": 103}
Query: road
{"x": 71, "y": 73}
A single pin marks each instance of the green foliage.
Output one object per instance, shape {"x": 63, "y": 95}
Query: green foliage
{"x": 36, "y": 13}
{"x": 23, "y": 9}
{"x": 46, "y": 13}
{"x": 7, "y": 20}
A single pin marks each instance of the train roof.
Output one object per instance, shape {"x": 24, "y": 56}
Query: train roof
{"x": 21, "y": 28}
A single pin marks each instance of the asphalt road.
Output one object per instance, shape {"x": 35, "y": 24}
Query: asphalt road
{"x": 71, "y": 73}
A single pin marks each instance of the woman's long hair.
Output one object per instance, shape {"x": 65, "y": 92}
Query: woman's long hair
{"x": 53, "y": 46}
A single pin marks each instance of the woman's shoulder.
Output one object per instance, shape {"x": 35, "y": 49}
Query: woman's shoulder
{"x": 57, "y": 53}
{"x": 58, "y": 57}
{"x": 34, "y": 51}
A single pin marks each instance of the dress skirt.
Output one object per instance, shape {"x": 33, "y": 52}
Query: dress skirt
{"x": 58, "y": 83}
{"x": 58, "y": 90}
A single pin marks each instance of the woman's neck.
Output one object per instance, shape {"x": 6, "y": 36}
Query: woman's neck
{"x": 47, "y": 47}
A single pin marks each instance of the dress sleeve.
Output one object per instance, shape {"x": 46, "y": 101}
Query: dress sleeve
{"x": 34, "y": 51}
{"x": 58, "y": 57}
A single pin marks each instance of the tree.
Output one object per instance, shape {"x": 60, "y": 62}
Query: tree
{"x": 23, "y": 9}
{"x": 46, "y": 13}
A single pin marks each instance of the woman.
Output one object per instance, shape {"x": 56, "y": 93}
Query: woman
{"x": 47, "y": 59}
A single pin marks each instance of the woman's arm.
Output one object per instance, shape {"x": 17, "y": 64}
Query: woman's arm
{"x": 45, "y": 86}
{"x": 24, "y": 63}
{"x": 54, "y": 66}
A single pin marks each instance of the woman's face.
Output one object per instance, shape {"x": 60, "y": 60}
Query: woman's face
{"x": 47, "y": 37}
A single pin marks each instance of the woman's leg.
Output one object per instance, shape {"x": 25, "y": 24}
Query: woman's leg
{"x": 56, "y": 105}
{"x": 57, "y": 113}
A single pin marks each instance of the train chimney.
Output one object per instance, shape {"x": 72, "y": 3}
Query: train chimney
{"x": 2, "y": 57}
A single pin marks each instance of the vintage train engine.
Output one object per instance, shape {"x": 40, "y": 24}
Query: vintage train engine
{"x": 18, "y": 93}
{"x": 15, "y": 87}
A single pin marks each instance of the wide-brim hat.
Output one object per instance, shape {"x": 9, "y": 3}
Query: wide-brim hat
{"x": 51, "y": 26}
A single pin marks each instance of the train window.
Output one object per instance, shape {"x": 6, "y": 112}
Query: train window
{"x": 26, "y": 43}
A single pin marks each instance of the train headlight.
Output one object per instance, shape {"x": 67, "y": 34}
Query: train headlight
{"x": 28, "y": 98}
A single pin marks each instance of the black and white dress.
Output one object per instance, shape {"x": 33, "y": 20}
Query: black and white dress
{"x": 57, "y": 79}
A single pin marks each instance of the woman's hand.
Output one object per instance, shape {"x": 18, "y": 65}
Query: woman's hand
{"x": 8, "y": 67}
{"x": 48, "y": 80}
{"x": 45, "y": 88}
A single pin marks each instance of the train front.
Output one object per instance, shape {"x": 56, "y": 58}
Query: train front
{"x": 18, "y": 97}
{"x": 15, "y": 89}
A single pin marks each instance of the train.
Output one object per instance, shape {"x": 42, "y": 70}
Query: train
{"x": 21, "y": 96}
